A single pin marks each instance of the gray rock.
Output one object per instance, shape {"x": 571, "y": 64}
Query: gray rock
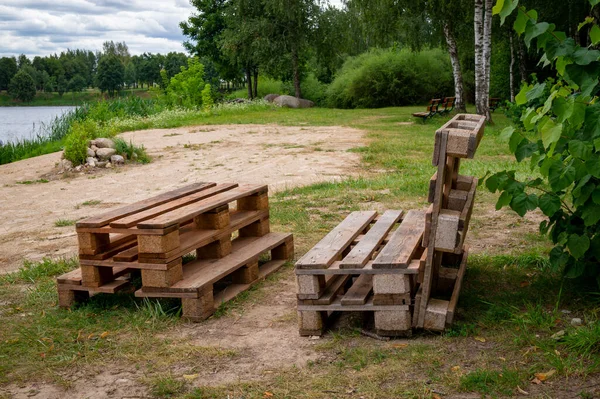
{"x": 93, "y": 148}
{"x": 103, "y": 143}
{"x": 105, "y": 153}
{"x": 108, "y": 165}
{"x": 91, "y": 161}
{"x": 576, "y": 322}
{"x": 78, "y": 168}
{"x": 117, "y": 160}
{"x": 101, "y": 164}
{"x": 271, "y": 97}
{"x": 293, "y": 102}
{"x": 91, "y": 153}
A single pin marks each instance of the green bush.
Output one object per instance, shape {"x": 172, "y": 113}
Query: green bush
{"x": 383, "y": 78}
{"x": 76, "y": 143}
{"x": 131, "y": 151}
{"x": 207, "y": 99}
{"x": 265, "y": 86}
{"x": 314, "y": 90}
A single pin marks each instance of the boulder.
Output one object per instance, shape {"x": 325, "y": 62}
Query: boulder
{"x": 103, "y": 143}
{"x": 91, "y": 153}
{"x": 117, "y": 160}
{"x": 108, "y": 165}
{"x": 105, "y": 153}
{"x": 101, "y": 164}
{"x": 293, "y": 102}
{"x": 271, "y": 97}
{"x": 91, "y": 161}
{"x": 65, "y": 164}
{"x": 93, "y": 148}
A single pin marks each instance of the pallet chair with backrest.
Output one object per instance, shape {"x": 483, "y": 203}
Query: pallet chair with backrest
{"x": 448, "y": 105}
{"x": 432, "y": 109}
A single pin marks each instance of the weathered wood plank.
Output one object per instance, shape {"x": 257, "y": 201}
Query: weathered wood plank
{"x": 132, "y": 220}
{"x": 359, "y": 292}
{"x": 333, "y": 244}
{"x": 457, "y": 286}
{"x": 185, "y": 213}
{"x": 106, "y": 218}
{"x": 403, "y": 244}
{"x": 363, "y": 251}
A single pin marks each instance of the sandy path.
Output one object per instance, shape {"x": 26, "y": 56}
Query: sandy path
{"x": 279, "y": 156}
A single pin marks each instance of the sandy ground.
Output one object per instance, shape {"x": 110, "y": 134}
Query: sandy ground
{"x": 279, "y": 156}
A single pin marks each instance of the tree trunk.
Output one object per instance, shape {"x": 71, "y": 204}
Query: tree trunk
{"x": 296, "y": 69}
{"x": 512, "y": 67}
{"x": 487, "y": 55}
{"x": 255, "y": 82}
{"x": 459, "y": 88}
{"x": 479, "y": 67}
{"x": 522, "y": 60}
{"x": 249, "y": 82}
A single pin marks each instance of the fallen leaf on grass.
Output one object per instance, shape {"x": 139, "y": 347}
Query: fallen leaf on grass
{"x": 502, "y": 358}
{"x": 544, "y": 376}
{"x": 436, "y": 396}
{"x": 268, "y": 394}
{"x": 536, "y": 381}
{"x": 480, "y": 339}
{"x": 455, "y": 368}
{"x": 399, "y": 346}
{"x": 104, "y": 334}
{"x": 190, "y": 377}
{"x": 521, "y": 391}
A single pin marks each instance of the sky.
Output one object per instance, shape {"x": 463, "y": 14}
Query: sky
{"x": 44, "y": 27}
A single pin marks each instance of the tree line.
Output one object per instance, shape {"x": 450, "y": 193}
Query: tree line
{"x": 110, "y": 70}
{"x": 289, "y": 39}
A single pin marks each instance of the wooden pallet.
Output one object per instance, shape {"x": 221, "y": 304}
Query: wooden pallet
{"x": 366, "y": 264}
{"x": 151, "y": 237}
{"x": 408, "y": 277}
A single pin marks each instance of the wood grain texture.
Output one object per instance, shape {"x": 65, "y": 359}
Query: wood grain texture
{"x": 403, "y": 244}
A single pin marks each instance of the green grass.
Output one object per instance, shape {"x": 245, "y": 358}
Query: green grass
{"x": 64, "y": 222}
{"x": 511, "y": 301}
{"x": 67, "y": 99}
{"x": 27, "y": 182}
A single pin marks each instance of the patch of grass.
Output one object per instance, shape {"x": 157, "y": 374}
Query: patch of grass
{"x": 167, "y": 387}
{"x": 484, "y": 381}
{"x": 584, "y": 340}
{"x": 91, "y": 202}
{"x": 65, "y": 222}
{"x": 27, "y": 182}
{"x": 131, "y": 152}
{"x": 32, "y": 272}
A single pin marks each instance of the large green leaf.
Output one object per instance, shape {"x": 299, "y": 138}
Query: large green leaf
{"x": 594, "y": 2}
{"x": 525, "y": 149}
{"x": 503, "y": 200}
{"x": 578, "y": 245}
{"x": 583, "y": 56}
{"x": 551, "y": 132}
{"x": 596, "y": 198}
{"x": 504, "y": 8}
{"x": 580, "y": 149}
{"x": 521, "y": 21}
{"x": 563, "y": 108}
{"x": 575, "y": 269}
{"x": 536, "y": 91}
{"x": 521, "y": 203}
{"x": 592, "y": 121}
{"x": 506, "y": 133}
{"x": 533, "y": 31}
{"x": 584, "y": 76}
{"x": 560, "y": 48}
{"x": 561, "y": 176}
{"x": 591, "y": 214}
{"x": 549, "y": 204}
{"x": 595, "y": 35}
{"x": 578, "y": 115}
{"x": 521, "y": 98}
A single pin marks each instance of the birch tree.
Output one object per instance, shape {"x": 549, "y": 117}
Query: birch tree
{"x": 483, "y": 46}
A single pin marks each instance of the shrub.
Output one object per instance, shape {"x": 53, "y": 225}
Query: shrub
{"x": 265, "y": 86}
{"x": 207, "y": 100}
{"x": 185, "y": 88}
{"x": 76, "y": 143}
{"x": 314, "y": 90}
{"x": 383, "y": 78}
{"x": 131, "y": 151}
{"x": 22, "y": 86}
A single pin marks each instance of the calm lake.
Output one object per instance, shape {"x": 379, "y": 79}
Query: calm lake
{"x": 18, "y": 123}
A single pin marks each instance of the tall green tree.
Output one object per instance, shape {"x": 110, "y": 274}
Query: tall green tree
{"x": 8, "y": 69}
{"x": 22, "y": 86}
{"x": 110, "y": 75}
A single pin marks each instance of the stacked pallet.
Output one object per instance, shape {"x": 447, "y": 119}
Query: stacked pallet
{"x": 403, "y": 270}
{"x": 226, "y": 227}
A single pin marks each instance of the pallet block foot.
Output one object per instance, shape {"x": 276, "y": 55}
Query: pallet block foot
{"x": 163, "y": 278}
{"x": 215, "y": 250}
{"x": 95, "y": 276}
{"x": 310, "y": 286}
{"x": 198, "y": 309}
{"x": 284, "y": 252}
{"x": 150, "y": 244}
{"x": 257, "y": 229}
{"x": 393, "y": 323}
{"x": 215, "y": 219}
{"x": 311, "y": 323}
{"x": 256, "y": 202}
{"x": 68, "y": 298}
{"x": 246, "y": 274}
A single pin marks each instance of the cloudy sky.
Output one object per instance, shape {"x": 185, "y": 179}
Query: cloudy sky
{"x": 43, "y": 27}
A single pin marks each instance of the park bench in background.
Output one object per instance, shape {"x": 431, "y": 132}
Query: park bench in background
{"x": 432, "y": 109}
{"x": 447, "y": 105}
{"x": 403, "y": 278}
{"x": 494, "y": 103}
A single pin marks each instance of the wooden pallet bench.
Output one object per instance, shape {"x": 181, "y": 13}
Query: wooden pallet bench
{"x": 431, "y": 110}
{"x": 404, "y": 269}
{"x": 366, "y": 264}
{"x": 152, "y": 237}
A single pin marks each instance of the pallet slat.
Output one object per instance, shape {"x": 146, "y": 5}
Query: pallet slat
{"x": 403, "y": 244}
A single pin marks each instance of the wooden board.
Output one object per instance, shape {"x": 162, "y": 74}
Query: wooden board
{"x": 457, "y": 286}
{"x": 202, "y": 272}
{"x": 332, "y": 289}
{"x": 337, "y": 306}
{"x": 106, "y": 218}
{"x": 359, "y": 292}
{"x": 333, "y": 244}
{"x": 364, "y": 250}
{"x": 132, "y": 220}
{"x": 185, "y": 213}
{"x": 403, "y": 244}
{"x": 462, "y": 140}
{"x": 334, "y": 269}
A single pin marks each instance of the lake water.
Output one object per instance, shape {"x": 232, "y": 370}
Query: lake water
{"x": 18, "y": 123}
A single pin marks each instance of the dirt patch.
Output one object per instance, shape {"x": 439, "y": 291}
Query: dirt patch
{"x": 274, "y": 155}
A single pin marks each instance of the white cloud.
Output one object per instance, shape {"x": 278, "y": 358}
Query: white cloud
{"x": 43, "y": 27}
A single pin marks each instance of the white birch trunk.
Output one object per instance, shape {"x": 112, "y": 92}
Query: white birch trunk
{"x": 479, "y": 67}
{"x": 512, "y": 67}
{"x": 487, "y": 54}
{"x": 459, "y": 89}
